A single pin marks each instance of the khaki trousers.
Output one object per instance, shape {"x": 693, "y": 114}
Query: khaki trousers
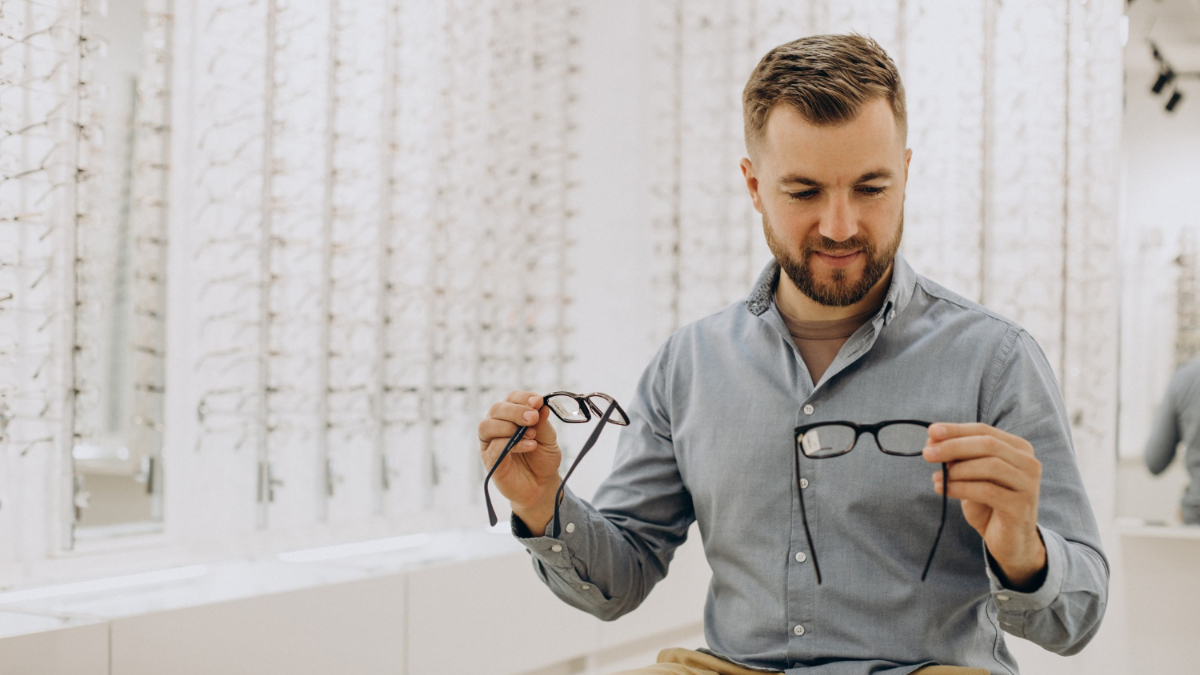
{"x": 676, "y": 661}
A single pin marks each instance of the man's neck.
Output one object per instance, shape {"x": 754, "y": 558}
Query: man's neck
{"x": 799, "y": 306}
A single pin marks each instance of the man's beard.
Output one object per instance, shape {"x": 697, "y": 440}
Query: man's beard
{"x": 841, "y": 292}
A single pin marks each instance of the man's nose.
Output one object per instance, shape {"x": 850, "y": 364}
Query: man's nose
{"x": 838, "y": 222}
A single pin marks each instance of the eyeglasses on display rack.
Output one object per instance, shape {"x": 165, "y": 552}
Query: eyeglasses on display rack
{"x": 572, "y": 409}
{"x": 901, "y": 438}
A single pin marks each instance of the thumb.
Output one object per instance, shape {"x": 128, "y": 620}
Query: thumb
{"x": 546, "y": 434}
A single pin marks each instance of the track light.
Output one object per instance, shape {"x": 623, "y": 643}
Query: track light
{"x": 1176, "y": 97}
{"x": 1164, "y": 78}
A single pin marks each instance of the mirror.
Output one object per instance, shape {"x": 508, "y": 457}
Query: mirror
{"x": 120, "y": 273}
{"x": 1159, "y": 247}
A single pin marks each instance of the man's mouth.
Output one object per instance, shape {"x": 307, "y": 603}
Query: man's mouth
{"x": 838, "y": 258}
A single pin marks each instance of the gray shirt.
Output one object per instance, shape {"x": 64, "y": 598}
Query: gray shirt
{"x": 711, "y": 441}
{"x": 1178, "y": 421}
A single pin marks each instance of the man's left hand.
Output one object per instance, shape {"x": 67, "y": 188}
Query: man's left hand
{"x": 996, "y": 477}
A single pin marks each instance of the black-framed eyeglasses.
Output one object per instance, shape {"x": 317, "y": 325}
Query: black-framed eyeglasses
{"x": 573, "y": 409}
{"x": 902, "y": 438}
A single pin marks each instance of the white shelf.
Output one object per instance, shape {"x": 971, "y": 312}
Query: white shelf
{"x": 1131, "y": 527}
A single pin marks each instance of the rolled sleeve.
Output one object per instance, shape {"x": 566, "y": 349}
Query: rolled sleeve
{"x": 557, "y": 551}
{"x": 558, "y": 560}
{"x": 1010, "y": 602}
{"x": 1064, "y": 613}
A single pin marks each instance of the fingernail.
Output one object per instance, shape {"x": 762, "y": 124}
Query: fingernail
{"x": 531, "y": 416}
{"x": 937, "y": 430}
{"x": 930, "y": 452}
{"x": 532, "y": 400}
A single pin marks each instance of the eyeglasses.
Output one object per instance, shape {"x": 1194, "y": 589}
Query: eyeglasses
{"x": 901, "y": 438}
{"x": 572, "y": 409}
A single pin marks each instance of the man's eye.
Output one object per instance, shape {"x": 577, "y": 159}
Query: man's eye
{"x": 807, "y": 194}
{"x": 871, "y": 191}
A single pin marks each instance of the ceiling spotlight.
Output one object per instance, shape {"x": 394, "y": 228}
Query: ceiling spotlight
{"x": 1164, "y": 78}
{"x": 1176, "y": 96}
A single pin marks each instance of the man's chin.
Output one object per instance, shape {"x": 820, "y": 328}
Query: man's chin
{"x": 837, "y": 280}
{"x": 834, "y": 296}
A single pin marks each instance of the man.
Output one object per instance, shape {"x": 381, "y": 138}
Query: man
{"x": 1177, "y": 421}
{"x": 838, "y": 327}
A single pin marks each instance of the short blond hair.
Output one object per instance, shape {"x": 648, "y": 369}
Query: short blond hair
{"x": 825, "y": 78}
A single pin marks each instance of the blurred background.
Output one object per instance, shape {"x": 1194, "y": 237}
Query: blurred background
{"x": 265, "y": 264}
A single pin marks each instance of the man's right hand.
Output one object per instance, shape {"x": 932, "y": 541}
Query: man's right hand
{"x": 528, "y": 476}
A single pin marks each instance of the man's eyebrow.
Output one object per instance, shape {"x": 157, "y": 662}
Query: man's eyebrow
{"x": 793, "y": 178}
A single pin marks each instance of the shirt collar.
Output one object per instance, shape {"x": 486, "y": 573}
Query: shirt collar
{"x": 900, "y": 291}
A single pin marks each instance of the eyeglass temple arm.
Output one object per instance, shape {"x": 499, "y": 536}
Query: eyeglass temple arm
{"x": 804, "y": 518}
{"x": 562, "y": 486}
{"x": 487, "y": 497}
{"x": 945, "y": 500}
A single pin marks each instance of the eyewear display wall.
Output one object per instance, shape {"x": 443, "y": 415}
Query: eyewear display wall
{"x": 352, "y": 181}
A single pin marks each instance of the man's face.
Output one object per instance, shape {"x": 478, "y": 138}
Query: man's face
{"x": 832, "y": 199}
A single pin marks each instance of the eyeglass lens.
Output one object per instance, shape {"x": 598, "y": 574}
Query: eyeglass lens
{"x": 828, "y": 440}
{"x": 567, "y": 408}
{"x": 602, "y": 402}
{"x": 903, "y": 438}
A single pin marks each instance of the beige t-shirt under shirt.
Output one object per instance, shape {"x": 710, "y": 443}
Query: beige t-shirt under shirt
{"x": 819, "y": 341}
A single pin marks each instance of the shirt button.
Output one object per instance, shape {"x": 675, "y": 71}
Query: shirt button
{"x": 800, "y": 557}
{"x": 891, "y": 315}
{"x": 556, "y": 548}
{"x": 808, "y": 409}
{"x": 1002, "y": 597}
{"x": 570, "y": 527}
{"x": 803, "y": 483}
{"x": 585, "y": 587}
{"x": 798, "y": 630}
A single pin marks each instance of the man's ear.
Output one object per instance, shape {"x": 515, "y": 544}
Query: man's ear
{"x": 907, "y": 160}
{"x": 751, "y": 183}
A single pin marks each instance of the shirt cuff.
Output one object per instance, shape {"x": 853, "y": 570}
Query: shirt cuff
{"x": 555, "y": 551}
{"x": 1010, "y": 601}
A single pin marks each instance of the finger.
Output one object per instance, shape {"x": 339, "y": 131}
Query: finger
{"x": 991, "y": 469}
{"x": 492, "y": 429}
{"x": 494, "y": 449}
{"x": 522, "y": 397}
{"x": 942, "y": 431}
{"x": 517, "y": 413}
{"x": 988, "y": 494}
{"x": 546, "y": 432}
{"x": 971, "y": 447}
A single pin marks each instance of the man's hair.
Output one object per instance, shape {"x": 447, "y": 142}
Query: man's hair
{"x": 825, "y": 78}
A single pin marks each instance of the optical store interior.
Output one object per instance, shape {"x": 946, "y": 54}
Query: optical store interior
{"x": 268, "y": 266}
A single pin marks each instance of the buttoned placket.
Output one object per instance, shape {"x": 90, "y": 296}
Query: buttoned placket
{"x": 802, "y": 581}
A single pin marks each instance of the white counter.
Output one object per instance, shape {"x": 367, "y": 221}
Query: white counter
{"x": 453, "y": 602}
